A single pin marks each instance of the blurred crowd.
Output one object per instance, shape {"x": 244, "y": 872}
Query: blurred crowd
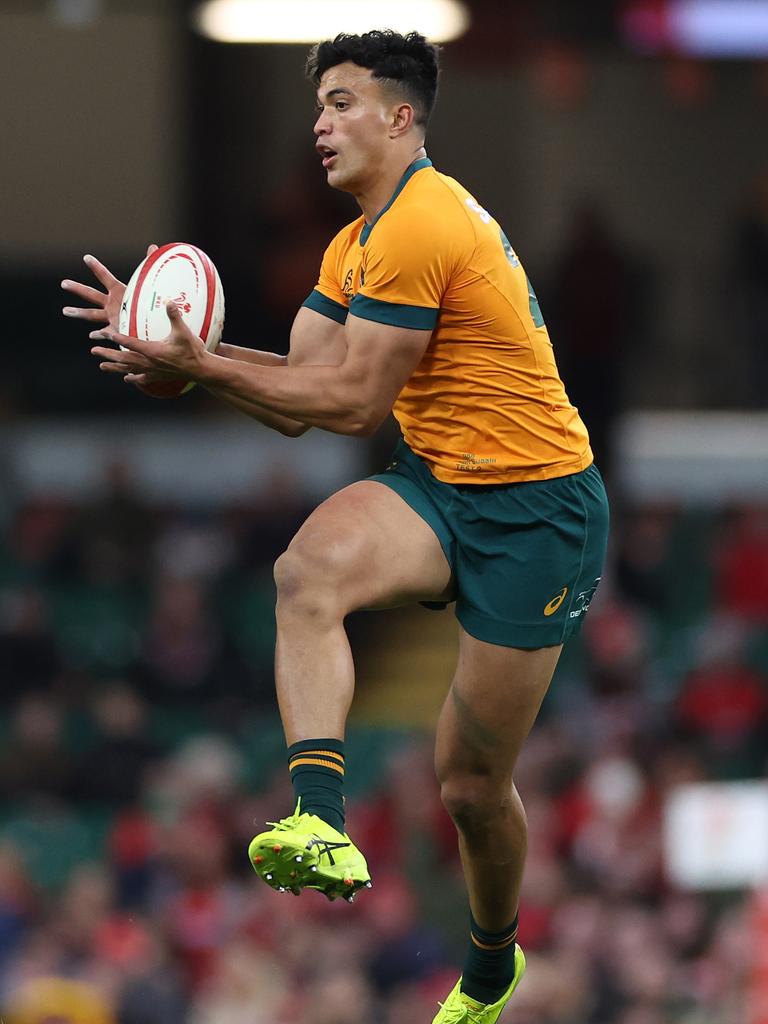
{"x": 141, "y": 751}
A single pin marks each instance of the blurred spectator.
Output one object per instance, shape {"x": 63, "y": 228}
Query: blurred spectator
{"x": 35, "y": 760}
{"x": 723, "y": 705}
{"x": 34, "y": 538}
{"x": 413, "y": 1004}
{"x": 113, "y": 768}
{"x": 742, "y": 585}
{"x": 203, "y": 910}
{"x": 183, "y": 643}
{"x": 592, "y": 313}
{"x": 752, "y": 287}
{"x": 190, "y": 548}
{"x": 203, "y": 774}
{"x": 618, "y": 843}
{"x": 296, "y": 223}
{"x": 248, "y": 986}
{"x": 405, "y": 950}
{"x": 644, "y": 542}
{"x": 29, "y": 659}
{"x": 340, "y": 997}
{"x": 271, "y": 518}
{"x": 133, "y": 847}
{"x": 59, "y": 1000}
{"x": 17, "y": 901}
{"x": 616, "y": 645}
{"x": 107, "y": 541}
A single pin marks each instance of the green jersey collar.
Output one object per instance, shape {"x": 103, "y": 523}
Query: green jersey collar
{"x": 417, "y": 165}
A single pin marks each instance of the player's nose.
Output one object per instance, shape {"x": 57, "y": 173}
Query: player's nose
{"x": 322, "y": 124}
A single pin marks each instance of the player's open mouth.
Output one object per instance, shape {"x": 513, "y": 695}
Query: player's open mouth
{"x": 327, "y": 154}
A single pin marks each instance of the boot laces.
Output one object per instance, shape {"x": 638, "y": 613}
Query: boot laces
{"x": 453, "y": 1014}
{"x": 291, "y": 822}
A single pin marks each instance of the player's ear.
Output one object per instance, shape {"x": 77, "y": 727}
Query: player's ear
{"x": 402, "y": 119}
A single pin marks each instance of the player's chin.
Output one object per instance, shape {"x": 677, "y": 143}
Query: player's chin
{"x": 336, "y": 178}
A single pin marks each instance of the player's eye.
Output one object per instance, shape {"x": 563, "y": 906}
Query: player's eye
{"x": 341, "y": 105}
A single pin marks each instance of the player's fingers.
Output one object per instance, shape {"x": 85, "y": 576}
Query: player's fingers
{"x": 152, "y": 248}
{"x": 126, "y": 362}
{"x": 85, "y": 314}
{"x": 105, "y": 334}
{"x": 85, "y": 292}
{"x": 138, "y": 351}
{"x": 98, "y": 269}
{"x": 151, "y": 375}
{"x": 114, "y": 368}
{"x": 114, "y": 355}
{"x": 178, "y": 324}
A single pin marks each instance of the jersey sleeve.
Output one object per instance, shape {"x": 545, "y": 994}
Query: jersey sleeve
{"x": 327, "y": 296}
{"x": 406, "y": 268}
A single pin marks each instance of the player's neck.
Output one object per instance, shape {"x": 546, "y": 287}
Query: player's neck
{"x": 374, "y": 198}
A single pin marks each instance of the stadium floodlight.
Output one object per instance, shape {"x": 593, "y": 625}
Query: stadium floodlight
{"x": 722, "y": 28}
{"x": 307, "y": 21}
{"x": 699, "y": 28}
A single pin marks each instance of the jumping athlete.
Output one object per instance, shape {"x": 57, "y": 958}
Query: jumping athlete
{"x": 491, "y": 500}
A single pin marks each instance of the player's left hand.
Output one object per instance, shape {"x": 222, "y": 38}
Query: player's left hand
{"x": 181, "y": 354}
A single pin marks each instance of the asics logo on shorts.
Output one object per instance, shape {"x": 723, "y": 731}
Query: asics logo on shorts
{"x": 327, "y": 848}
{"x": 554, "y": 604}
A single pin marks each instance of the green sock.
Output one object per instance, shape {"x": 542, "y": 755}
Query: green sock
{"x": 317, "y": 775}
{"x": 490, "y": 964}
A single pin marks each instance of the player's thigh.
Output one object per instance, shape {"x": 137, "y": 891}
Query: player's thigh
{"x": 493, "y": 702}
{"x": 370, "y": 548}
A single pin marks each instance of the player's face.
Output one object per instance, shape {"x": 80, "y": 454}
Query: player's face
{"x": 353, "y": 126}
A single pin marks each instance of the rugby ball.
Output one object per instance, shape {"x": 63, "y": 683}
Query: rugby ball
{"x": 184, "y": 273}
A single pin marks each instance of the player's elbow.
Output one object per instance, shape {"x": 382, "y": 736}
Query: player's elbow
{"x": 359, "y": 428}
{"x": 293, "y": 429}
{"x": 366, "y": 421}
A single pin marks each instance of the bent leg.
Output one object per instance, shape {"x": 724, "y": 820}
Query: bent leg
{"x": 363, "y": 547}
{"x": 492, "y": 704}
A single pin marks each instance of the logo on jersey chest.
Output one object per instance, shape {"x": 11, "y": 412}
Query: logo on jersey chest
{"x": 349, "y": 282}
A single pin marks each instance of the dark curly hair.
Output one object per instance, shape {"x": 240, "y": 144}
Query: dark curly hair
{"x": 408, "y": 63}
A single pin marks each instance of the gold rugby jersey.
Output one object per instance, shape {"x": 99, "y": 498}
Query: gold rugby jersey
{"x": 486, "y": 404}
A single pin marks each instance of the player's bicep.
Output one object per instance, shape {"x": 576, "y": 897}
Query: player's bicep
{"x": 380, "y": 358}
{"x": 316, "y": 340}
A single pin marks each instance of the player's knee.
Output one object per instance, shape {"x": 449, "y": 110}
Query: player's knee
{"x": 295, "y": 576}
{"x": 474, "y": 801}
{"x": 308, "y": 578}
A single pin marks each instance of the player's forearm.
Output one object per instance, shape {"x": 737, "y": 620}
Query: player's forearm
{"x": 321, "y": 396}
{"x": 251, "y": 355}
{"x": 283, "y": 424}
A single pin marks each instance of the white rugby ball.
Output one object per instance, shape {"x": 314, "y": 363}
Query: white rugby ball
{"x": 184, "y": 273}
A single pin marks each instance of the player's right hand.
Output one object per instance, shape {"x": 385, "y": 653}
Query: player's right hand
{"x": 104, "y": 306}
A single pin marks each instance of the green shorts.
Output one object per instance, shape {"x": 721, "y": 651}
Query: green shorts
{"x": 526, "y": 557}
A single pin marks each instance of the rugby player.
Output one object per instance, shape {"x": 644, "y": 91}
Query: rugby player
{"x": 491, "y": 499}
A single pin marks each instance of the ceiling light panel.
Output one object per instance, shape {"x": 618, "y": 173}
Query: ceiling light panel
{"x": 307, "y": 21}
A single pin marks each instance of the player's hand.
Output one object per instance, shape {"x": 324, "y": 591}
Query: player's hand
{"x": 181, "y": 354}
{"x": 104, "y": 306}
